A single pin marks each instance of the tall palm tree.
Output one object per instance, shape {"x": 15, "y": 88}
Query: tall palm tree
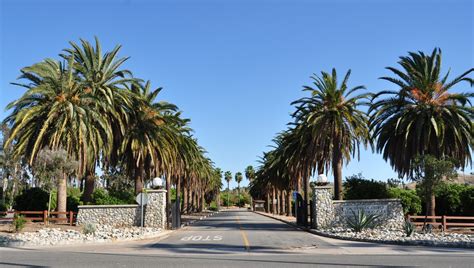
{"x": 102, "y": 75}
{"x": 218, "y": 185}
{"x": 56, "y": 112}
{"x": 238, "y": 179}
{"x": 149, "y": 140}
{"x": 331, "y": 120}
{"x": 228, "y": 178}
{"x": 423, "y": 116}
{"x": 250, "y": 173}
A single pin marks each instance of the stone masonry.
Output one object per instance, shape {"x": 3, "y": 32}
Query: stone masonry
{"x": 127, "y": 215}
{"x": 329, "y": 213}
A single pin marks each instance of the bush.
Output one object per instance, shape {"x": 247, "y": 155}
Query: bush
{"x": 73, "y": 199}
{"x": 88, "y": 228}
{"x": 3, "y": 207}
{"x": 213, "y": 206}
{"x": 18, "y": 223}
{"x": 361, "y": 220}
{"x": 357, "y": 187}
{"x": 232, "y": 199}
{"x": 454, "y": 199}
{"x": 35, "y": 199}
{"x": 411, "y": 202}
{"x": 100, "y": 196}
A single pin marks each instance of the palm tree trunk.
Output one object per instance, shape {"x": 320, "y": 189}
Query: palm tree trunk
{"x": 184, "y": 209}
{"x": 283, "y": 203}
{"x": 62, "y": 195}
{"x": 168, "y": 200}
{"x": 268, "y": 202}
{"x": 89, "y": 185}
{"x": 288, "y": 203}
{"x": 139, "y": 178}
{"x": 178, "y": 191}
{"x": 228, "y": 194}
{"x": 218, "y": 200}
{"x": 203, "y": 201}
{"x": 273, "y": 200}
{"x": 238, "y": 192}
{"x": 337, "y": 170}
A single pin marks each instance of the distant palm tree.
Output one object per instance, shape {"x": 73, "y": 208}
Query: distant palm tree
{"x": 250, "y": 173}
{"x": 422, "y": 117}
{"x": 331, "y": 124}
{"x": 238, "y": 179}
{"x": 228, "y": 178}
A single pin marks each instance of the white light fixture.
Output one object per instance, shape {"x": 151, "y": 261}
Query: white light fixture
{"x": 157, "y": 182}
{"x": 322, "y": 178}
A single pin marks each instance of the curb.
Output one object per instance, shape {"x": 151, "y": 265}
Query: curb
{"x": 386, "y": 242}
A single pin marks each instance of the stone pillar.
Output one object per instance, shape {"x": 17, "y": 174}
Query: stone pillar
{"x": 323, "y": 214}
{"x": 155, "y": 211}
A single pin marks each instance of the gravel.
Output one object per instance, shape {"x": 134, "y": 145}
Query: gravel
{"x": 384, "y": 235}
{"x": 55, "y": 236}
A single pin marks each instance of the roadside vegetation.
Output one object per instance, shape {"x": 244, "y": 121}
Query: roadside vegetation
{"x": 420, "y": 121}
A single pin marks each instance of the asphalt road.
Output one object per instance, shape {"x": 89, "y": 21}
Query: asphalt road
{"x": 237, "y": 239}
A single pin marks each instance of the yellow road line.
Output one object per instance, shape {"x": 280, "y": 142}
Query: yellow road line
{"x": 244, "y": 236}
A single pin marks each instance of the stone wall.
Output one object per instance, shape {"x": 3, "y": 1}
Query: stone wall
{"x": 155, "y": 212}
{"x": 328, "y": 213}
{"x": 112, "y": 215}
{"x": 390, "y": 211}
{"x": 127, "y": 215}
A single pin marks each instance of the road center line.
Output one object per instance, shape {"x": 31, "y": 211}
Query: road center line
{"x": 244, "y": 236}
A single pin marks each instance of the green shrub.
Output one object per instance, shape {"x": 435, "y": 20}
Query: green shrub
{"x": 73, "y": 199}
{"x": 3, "y": 207}
{"x": 88, "y": 228}
{"x": 357, "y": 187}
{"x": 100, "y": 196}
{"x": 18, "y": 223}
{"x": 213, "y": 206}
{"x": 361, "y": 220}
{"x": 231, "y": 202}
{"x": 451, "y": 199}
{"x": 467, "y": 201}
{"x": 32, "y": 199}
{"x": 411, "y": 202}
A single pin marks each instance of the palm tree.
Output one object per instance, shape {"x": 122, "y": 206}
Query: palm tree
{"x": 56, "y": 112}
{"x": 149, "y": 140}
{"x": 238, "y": 179}
{"x": 228, "y": 178}
{"x": 250, "y": 175}
{"x": 333, "y": 125}
{"x": 102, "y": 76}
{"x": 218, "y": 185}
{"x": 423, "y": 116}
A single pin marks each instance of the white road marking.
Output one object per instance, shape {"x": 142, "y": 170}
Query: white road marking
{"x": 202, "y": 238}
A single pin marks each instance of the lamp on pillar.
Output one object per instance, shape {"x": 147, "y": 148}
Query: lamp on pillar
{"x": 157, "y": 183}
{"x": 322, "y": 180}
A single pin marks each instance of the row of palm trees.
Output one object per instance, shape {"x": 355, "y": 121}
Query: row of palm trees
{"x": 87, "y": 104}
{"x": 421, "y": 116}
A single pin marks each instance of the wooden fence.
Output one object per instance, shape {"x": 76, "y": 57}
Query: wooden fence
{"x": 444, "y": 221}
{"x": 43, "y": 216}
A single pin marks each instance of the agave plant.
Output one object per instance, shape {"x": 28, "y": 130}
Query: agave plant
{"x": 409, "y": 228}
{"x": 361, "y": 220}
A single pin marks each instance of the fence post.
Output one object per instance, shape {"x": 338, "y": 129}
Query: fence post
{"x": 444, "y": 222}
{"x": 45, "y": 217}
{"x": 70, "y": 217}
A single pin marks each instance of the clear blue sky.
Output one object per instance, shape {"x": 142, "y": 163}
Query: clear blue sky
{"x": 233, "y": 67}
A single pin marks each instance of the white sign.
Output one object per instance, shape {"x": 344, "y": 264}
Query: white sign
{"x": 202, "y": 238}
{"x": 348, "y": 210}
{"x": 142, "y": 197}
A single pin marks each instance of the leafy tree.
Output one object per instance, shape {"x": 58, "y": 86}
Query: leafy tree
{"x": 411, "y": 202}
{"x": 52, "y": 167}
{"x": 429, "y": 173}
{"x": 423, "y": 116}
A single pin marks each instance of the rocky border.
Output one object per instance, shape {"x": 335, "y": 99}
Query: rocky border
{"x": 389, "y": 242}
